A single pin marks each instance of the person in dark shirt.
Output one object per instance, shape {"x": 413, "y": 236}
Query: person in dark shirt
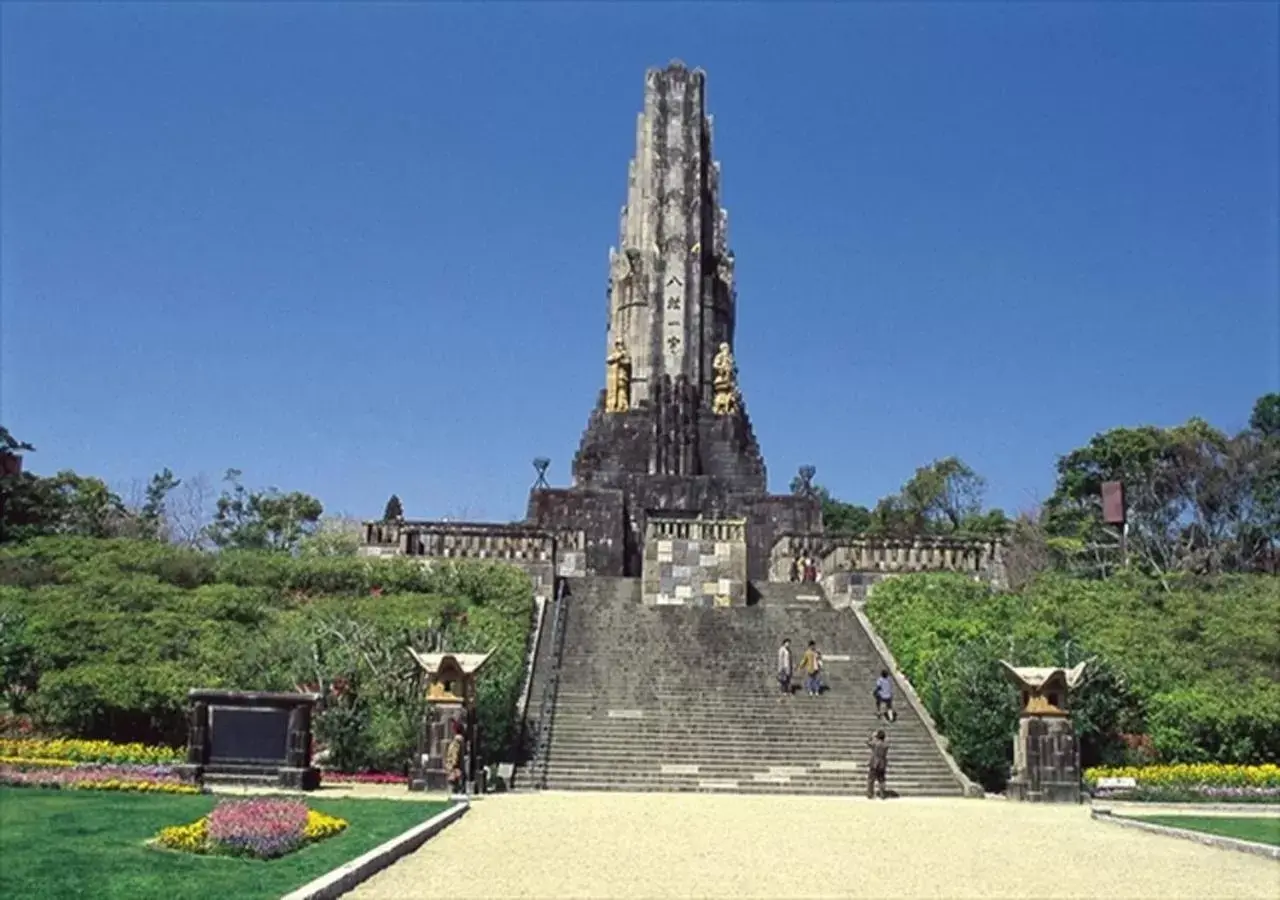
{"x": 877, "y": 764}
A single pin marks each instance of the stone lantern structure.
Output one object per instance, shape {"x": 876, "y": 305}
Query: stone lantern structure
{"x": 1046, "y": 755}
{"x": 451, "y": 701}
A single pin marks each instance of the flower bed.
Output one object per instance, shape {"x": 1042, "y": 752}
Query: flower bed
{"x": 364, "y": 778}
{"x": 60, "y": 774}
{"x": 263, "y": 828}
{"x": 88, "y": 751}
{"x": 36, "y": 763}
{"x": 1198, "y": 782}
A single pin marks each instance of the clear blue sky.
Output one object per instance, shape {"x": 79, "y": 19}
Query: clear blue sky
{"x": 354, "y": 249}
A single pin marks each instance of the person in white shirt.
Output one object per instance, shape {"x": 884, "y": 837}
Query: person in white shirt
{"x": 784, "y": 666}
{"x": 884, "y": 696}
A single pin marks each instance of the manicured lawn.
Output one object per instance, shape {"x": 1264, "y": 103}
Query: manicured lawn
{"x": 1259, "y": 829}
{"x": 86, "y": 844}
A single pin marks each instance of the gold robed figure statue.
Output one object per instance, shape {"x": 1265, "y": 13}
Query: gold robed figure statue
{"x": 617, "y": 380}
{"x": 725, "y": 383}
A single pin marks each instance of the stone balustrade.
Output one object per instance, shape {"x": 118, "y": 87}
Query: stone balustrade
{"x": 474, "y": 540}
{"x": 687, "y": 529}
{"x": 887, "y": 555}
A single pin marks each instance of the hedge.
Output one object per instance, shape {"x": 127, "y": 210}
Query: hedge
{"x": 101, "y": 639}
{"x": 1192, "y": 672}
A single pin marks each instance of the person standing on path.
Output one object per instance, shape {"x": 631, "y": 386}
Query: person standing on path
{"x": 811, "y": 662}
{"x": 784, "y": 666}
{"x": 877, "y": 765}
{"x": 884, "y": 696}
{"x": 453, "y": 760}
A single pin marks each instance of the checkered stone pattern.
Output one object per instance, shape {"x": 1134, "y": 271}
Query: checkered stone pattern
{"x": 686, "y": 572}
{"x": 572, "y": 564}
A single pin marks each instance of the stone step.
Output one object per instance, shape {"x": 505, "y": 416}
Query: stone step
{"x": 799, "y": 708}
{"x": 730, "y": 731}
{"x": 690, "y": 764}
{"x": 622, "y": 754}
{"x": 897, "y": 779}
{"x": 854, "y": 788}
{"x": 854, "y": 782}
{"x": 689, "y": 716}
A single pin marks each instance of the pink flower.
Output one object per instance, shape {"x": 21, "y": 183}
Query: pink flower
{"x": 262, "y": 827}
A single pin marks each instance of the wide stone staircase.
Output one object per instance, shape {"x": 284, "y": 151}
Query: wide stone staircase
{"x": 675, "y": 698}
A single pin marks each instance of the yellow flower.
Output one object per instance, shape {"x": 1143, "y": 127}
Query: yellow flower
{"x": 192, "y": 838}
{"x": 1190, "y": 775}
{"x": 321, "y": 826}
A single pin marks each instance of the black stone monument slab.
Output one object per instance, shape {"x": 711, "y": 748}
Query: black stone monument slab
{"x": 249, "y": 737}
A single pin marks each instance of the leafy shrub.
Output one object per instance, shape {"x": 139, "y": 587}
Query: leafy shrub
{"x": 103, "y": 639}
{"x": 1193, "y": 665}
{"x": 1220, "y": 722}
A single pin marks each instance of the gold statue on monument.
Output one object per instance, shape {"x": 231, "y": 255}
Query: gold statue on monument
{"x": 617, "y": 380}
{"x": 724, "y": 400}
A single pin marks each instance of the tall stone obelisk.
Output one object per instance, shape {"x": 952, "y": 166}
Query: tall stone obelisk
{"x": 670, "y": 434}
{"x": 671, "y": 298}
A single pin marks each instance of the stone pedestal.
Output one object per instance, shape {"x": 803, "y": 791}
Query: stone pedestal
{"x": 428, "y": 772}
{"x": 1046, "y": 761}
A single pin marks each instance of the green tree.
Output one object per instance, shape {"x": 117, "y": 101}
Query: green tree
{"x": 153, "y": 516}
{"x": 394, "y": 510}
{"x": 840, "y": 518}
{"x": 941, "y": 496}
{"x": 1266, "y": 416}
{"x": 1196, "y": 498}
{"x": 262, "y": 520}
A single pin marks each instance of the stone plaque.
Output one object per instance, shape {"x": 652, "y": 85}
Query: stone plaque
{"x": 257, "y": 734}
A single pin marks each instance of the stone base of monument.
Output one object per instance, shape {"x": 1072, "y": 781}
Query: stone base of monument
{"x": 286, "y": 777}
{"x": 1046, "y": 761}
{"x": 430, "y": 780}
{"x": 1044, "y": 792}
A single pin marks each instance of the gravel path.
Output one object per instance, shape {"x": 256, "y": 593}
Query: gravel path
{"x": 600, "y": 846}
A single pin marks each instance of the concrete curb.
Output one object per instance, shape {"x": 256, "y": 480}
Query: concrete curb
{"x": 348, "y": 875}
{"x": 1246, "y": 809}
{"x": 1212, "y": 840}
{"x": 971, "y": 789}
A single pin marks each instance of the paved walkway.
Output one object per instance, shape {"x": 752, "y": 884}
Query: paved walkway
{"x": 606, "y": 846}
{"x": 337, "y": 790}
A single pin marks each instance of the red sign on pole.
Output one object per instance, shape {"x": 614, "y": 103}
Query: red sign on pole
{"x": 1113, "y": 502}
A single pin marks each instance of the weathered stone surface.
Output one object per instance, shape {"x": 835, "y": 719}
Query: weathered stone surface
{"x": 1046, "y": 765}
{"x": 710, "y": 561}
{"x": 666, "y": 448}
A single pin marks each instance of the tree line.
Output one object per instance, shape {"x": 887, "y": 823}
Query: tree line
{"x": 1198, "y": 500}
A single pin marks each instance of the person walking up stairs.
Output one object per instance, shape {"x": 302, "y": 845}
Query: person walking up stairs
{"x": 811, "y": 663}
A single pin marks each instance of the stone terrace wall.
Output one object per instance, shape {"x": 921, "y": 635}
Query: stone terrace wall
{"x": 872, "y": 558}
{"x": 695, "y": 562}
{"x": 543, "y": 554}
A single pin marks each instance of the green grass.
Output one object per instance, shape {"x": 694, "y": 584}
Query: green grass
{"x": 85, "y": 844}
{"x": 1259, "y": 829}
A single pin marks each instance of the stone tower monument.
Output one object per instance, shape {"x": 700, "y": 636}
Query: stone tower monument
{"x": 671, "y": 298}
{"x": 670, "y": 434}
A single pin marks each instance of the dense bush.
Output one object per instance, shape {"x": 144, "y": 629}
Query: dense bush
{"x": 103, "y": 638}
{"x": 1194, "y": 665}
